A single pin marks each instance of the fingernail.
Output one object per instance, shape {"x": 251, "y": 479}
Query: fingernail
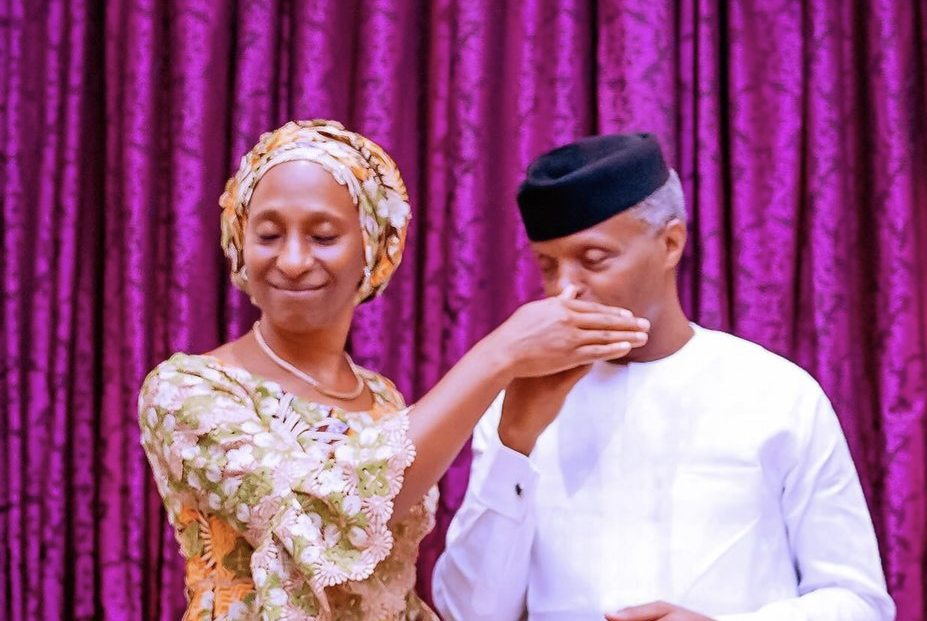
{"x": 625, "y": 312}
{"x": 624, "y": 345}
{"x": 643, "y": 324}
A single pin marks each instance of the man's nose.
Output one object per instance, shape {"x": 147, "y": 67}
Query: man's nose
{"x": 578, "y": 288}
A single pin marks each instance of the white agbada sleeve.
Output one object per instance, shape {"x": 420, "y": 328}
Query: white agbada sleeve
{"x": 830, "y": 532}
{"x": 483, "y": 573}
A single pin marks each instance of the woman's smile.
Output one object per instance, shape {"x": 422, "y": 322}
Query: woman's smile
{"x": 297, "y": 288}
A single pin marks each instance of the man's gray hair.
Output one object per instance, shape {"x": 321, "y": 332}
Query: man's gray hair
{"x": 667, "y": 203}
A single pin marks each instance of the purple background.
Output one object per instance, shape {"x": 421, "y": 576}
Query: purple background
{"x": 797, "y": 126}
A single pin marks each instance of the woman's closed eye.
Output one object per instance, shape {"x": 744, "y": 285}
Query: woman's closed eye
{"x": 268, "y": 236}
{"x": 325, "y": 240}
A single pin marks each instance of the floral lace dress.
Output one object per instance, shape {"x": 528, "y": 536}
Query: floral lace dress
{"x": 281, "y": 505}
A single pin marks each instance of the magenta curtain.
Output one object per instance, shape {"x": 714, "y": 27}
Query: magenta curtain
{"x": 799, "y": 128}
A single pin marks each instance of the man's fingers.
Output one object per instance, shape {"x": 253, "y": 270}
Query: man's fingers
{"x": 653, "y": 611}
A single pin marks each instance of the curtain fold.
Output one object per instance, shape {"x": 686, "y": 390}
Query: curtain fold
{"x": 798, "y": 129}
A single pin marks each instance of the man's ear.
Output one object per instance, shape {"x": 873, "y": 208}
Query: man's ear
{"x": 674, "y": 239}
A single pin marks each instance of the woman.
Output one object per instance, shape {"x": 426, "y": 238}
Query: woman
{"x": 297, "y": 482}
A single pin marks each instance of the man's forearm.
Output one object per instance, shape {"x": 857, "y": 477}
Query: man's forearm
{"x": 483, "y": 572}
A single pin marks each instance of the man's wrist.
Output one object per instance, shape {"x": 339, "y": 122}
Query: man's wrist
{"x": 517, "y": 440}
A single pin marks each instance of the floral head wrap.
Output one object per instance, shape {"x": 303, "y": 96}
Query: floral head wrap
{"x": 355, "y": 162}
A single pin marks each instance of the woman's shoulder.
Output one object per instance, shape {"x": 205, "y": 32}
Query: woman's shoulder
{"x": 181, "y": 364}
{"x": 382, "y": 386}
{"x": 194, "y": 374}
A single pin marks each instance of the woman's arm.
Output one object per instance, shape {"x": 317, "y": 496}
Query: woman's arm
{"x": 540, "y": 338}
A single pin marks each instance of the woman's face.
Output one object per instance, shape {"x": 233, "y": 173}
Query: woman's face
{"x": 303, "y": 249}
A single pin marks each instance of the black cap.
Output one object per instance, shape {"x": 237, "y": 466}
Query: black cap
{"x": 586, "y": 182}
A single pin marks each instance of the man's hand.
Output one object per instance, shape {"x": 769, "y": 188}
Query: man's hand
{"x": 531, "y": 404}
{"x": 656, "y": 611}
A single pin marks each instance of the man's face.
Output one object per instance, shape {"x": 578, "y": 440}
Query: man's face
{"x": 622, "y": 262}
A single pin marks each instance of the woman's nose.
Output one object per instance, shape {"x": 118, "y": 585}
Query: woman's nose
{"x": 295, "y": 257}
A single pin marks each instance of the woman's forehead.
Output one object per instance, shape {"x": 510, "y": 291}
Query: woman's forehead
{"x": 300, "y": 178}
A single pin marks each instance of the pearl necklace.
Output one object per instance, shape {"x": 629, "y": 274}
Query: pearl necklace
{"x": 335, "y": 394}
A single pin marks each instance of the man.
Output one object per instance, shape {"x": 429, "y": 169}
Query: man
{"x": 700, "y": 477}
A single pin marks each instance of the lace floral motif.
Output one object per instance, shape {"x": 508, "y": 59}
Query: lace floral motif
{"x": 281, "y": 505}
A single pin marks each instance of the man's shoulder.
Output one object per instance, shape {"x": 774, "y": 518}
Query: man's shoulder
{"x": 741, "y": 357}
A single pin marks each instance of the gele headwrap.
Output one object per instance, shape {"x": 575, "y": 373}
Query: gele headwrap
{"x": 355, "y": 162}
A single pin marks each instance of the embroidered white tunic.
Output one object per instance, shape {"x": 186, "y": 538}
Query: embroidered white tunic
{"x": 717, "y": 479}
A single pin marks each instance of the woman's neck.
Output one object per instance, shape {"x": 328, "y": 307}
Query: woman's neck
{"x": 318, "y": 352}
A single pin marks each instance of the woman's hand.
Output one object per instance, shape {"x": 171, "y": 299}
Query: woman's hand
{"x": 556, "y": 334}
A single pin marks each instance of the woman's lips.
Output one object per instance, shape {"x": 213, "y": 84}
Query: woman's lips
{"x": 299, "y": 289}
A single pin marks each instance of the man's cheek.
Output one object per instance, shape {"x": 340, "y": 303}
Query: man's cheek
{"x": 552, "y": 286}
